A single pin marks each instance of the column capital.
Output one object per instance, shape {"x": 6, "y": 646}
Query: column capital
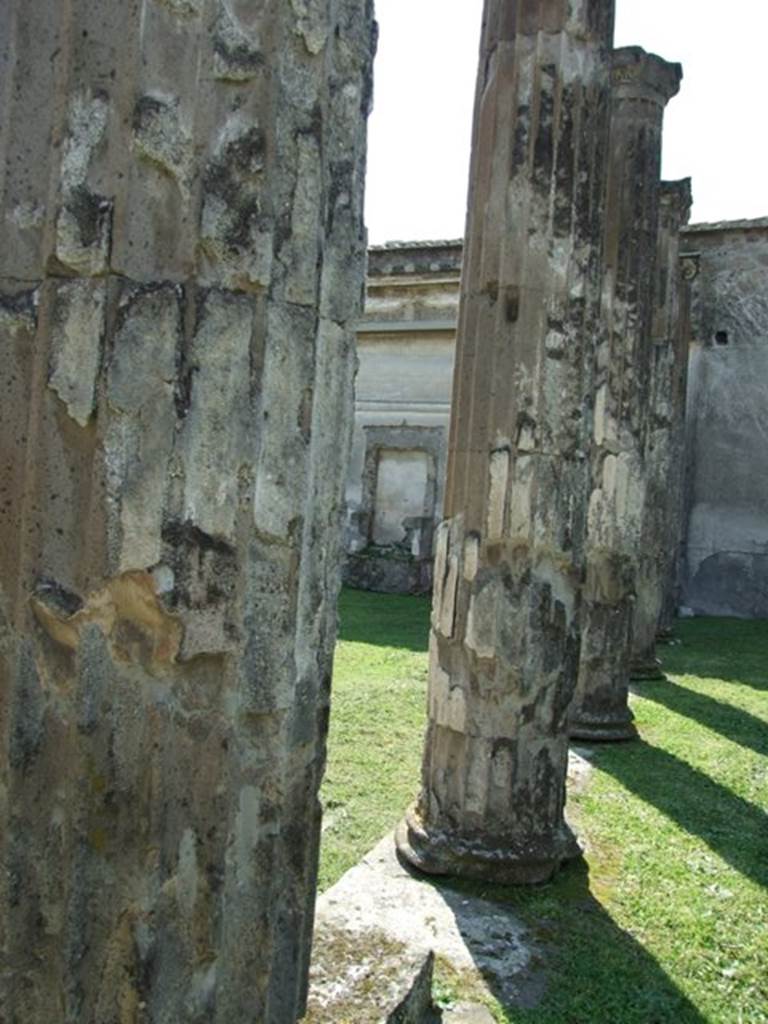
{"x": 636, "y": 74}
{"x": 675, "y": 199}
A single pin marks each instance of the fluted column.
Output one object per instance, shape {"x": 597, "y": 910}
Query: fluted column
{"x": 182, "y": 262}
{"x": 642, "y": 86}
{"x": 665, "y": 439}
{"x": 505, "y": 626}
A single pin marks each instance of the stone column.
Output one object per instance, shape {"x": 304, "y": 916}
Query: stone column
{"x": 182, "y": 264}
{"x": 642, "y": 86}
{"x": 665, "y": 439}
{"x": 690, "y": 266}
{"x": 505, "y": 627}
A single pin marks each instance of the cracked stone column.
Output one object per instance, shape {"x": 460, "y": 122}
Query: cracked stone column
{"x": 642, "y": 85}
{"x": 182, "y": 265}
{"x": 505, "y": 624}
{"x": 665, "y": 439}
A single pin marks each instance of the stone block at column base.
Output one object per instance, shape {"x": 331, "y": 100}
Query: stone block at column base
{"x": 501, "y": 860}
{"x": 603, "y": 727}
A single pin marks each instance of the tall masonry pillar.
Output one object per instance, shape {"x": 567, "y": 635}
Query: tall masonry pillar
{"x": 182, "y": 264}
{"x": 642, "y": 85}
{"x": 505, "y": 624}
{"x": 665, "y": 439}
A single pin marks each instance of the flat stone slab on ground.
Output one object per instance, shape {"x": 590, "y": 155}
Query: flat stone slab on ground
{"x": 579, "y": 767}
{"x": 370, "y": 979}
{"x": 483, "y": 941}
{"x": 467, "y": 1013}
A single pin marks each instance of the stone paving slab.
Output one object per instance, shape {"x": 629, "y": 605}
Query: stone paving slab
{"x": 475, "y": 937}
{"x": 467, "y": 1013}
{"x": 366, "y": 978}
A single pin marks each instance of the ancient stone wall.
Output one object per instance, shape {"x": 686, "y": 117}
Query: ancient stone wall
{"x": 182, "y": 264}
{"x": 725, "y": 554}
{"x": 724, "y": 501}
{"x": 402, "y": 405}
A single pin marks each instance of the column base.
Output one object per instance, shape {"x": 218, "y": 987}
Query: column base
{"x": 603, "y": 729}
{"x": 440, "y": 852}
{"x": 646, "y": 668}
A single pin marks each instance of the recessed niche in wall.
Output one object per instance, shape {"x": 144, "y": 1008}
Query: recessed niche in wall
{"x": 401, "y": 486}
{"x": 721, "y": 338}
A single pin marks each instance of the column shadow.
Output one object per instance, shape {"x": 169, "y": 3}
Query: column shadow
{"x": 731, "y": 722}
{"x": 385, "y": 620}
{"x": 731, "y": 827}
{"x": 733, "y": 650}
{"x": 623, "y": 982}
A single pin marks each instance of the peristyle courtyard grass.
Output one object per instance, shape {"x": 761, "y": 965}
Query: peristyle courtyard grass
{"x": 666, "y": 919}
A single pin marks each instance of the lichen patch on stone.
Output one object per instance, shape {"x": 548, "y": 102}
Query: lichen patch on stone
{"x": 129, "y": 599}
{"x": 237, "y": 54}
{"x": 161, "y": 137}
{"x": 235, "y": 232}
{"x": 312, "y": 24}
{"x": 183, "y": 8}
{"x": 84, "y": 219}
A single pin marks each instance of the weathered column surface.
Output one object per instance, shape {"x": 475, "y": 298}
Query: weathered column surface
{"x": 642, "y": 85}
{"x": 690, "y": 266}
{"x": 182, "y": 261}
{"x": 505, "y": 628}
{"x": 665, "y": 438}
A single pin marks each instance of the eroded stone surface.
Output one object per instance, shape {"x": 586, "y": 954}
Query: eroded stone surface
{"x": 467, "y": 1013}
{"x": 76, "y": 345}
{"x": 238, "y": 54}
{"x": 367, "y": 978}
{"x": 178, "y": 296}
{"x": 161, "y": 137}
{"x": 83, "y": 223}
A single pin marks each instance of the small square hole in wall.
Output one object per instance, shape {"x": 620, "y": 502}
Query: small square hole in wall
{"x": 721, "y": 338}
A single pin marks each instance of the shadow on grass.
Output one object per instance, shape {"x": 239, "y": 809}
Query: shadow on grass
{"x": 731, "y": 722}
{"x": 585, "y": 969}
{"x": 714, "y": 647}
{"x": 385, "y": 620}
{"x": 732, "y": 827}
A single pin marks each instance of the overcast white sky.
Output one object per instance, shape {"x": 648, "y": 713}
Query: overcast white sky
{"x": 715, "y": 129}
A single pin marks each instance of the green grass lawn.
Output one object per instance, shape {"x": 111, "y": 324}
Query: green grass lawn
{"x": 666, "y": 920}
{"x": 377, "y": 723}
